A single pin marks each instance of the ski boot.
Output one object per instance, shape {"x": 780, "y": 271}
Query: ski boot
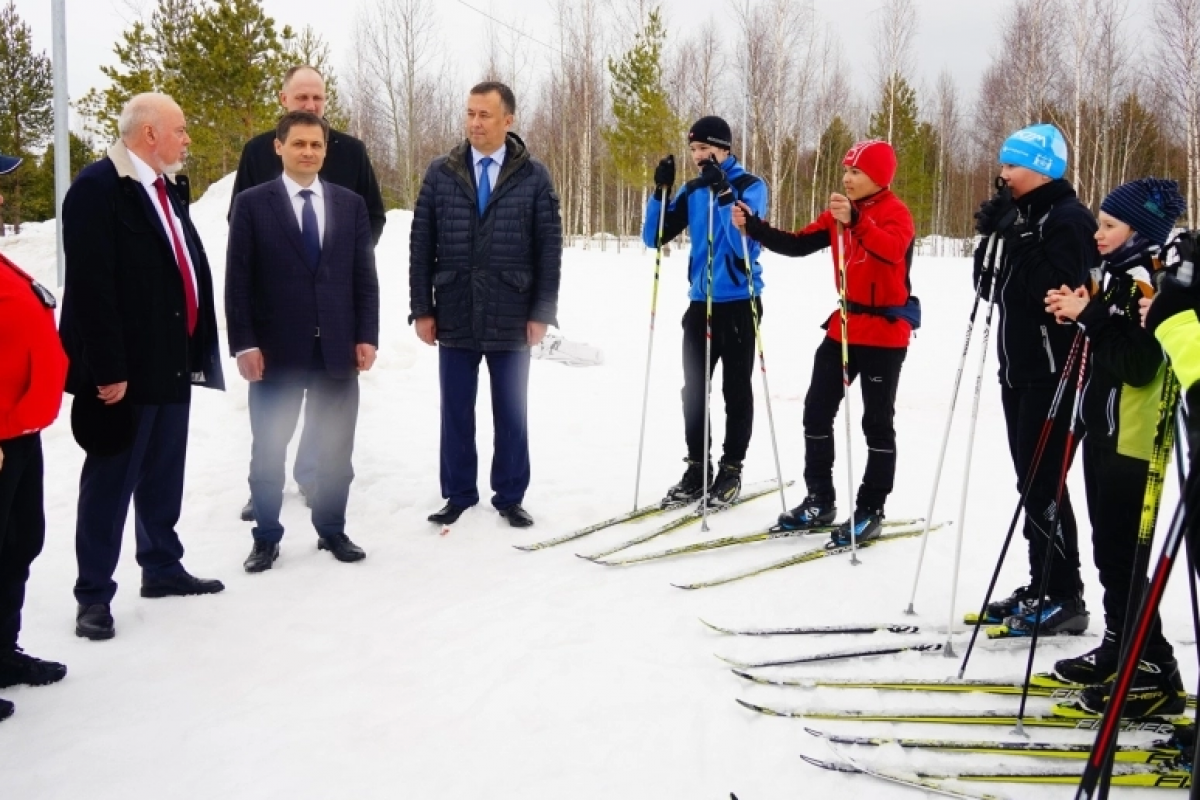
{"x": 1157, "y": 691}
{"x": 690, "y": 486}
{"x": 1000, "y": 610}
{"x": 1094, "y": 667}
{"x": 815, "y": 511}
{"x": 1059, "y": 615}
{"x": 867, "y": 526}
{"x": 726, "y": 485}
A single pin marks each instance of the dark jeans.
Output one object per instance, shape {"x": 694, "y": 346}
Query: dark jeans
{"x": 880, "y": 369}
{"x": 733, "y": 346}
{"x": 331, "y": 421}
{"x": 1025, "y": 413}
{"x": 150, "y": 472}
{"x": 458, "y": 373}
{"x": 22, "y": 528}
{"x": 1116, "y": 488}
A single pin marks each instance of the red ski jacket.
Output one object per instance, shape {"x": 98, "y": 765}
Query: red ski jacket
{"x": 878, "y": 244}
{"x": 33, "y": 366}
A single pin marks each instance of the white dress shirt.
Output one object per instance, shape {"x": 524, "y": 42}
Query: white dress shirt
{"x": 147, "y": 176}
{"x": 493, "y": 168}
{"x": 318, "y": 202}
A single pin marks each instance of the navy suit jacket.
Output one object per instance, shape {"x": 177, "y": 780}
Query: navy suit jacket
{"x": 276, "y": 302}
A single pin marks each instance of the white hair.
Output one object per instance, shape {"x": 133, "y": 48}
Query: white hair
{"x": 142, "y": 109}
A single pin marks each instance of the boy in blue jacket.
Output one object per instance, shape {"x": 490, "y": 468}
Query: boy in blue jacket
{"x": 708, "y": 197}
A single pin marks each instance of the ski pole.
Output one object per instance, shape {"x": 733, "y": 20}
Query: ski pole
{"x": 1052, "y": 535}
{"x": 844, "y": 310}
{"x": 1043, "y": 437}
{"x": 708, "y": 303}
{"x": 762, "y": 363}
{"x": 966, "y": 477}
{"x": 662, "y": 213}
{"x": 1183, "y": 525}
{"x": 1164, "y": 436}
{"x": 988, "y": 266}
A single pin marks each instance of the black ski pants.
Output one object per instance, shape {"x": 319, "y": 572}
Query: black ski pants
{"x": 880, "y": 370}
{"x": 22, "y": 528}
{"x": 1025, "y": 411}
{"x": 1116, "y": 488}
{"x": 733, "y": 346}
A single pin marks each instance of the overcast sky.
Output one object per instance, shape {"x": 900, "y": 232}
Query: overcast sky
{"x": 952, "y": 34}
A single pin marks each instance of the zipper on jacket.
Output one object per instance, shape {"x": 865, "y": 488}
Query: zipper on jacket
{"x": 1110, "y": 409}
{"x": 1046, "y": 344}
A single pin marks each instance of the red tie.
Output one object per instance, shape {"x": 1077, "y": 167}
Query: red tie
{"x": 189, "y": 291}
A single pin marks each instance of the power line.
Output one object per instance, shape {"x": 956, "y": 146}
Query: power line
{"x": 521, "y": 33}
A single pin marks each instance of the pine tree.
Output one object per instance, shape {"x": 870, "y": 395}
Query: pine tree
{"x": 645, "y": 125}
{"x": 26, "y": 103}
{"x": 39, "y": 193}
{"x": 915, "y": 145}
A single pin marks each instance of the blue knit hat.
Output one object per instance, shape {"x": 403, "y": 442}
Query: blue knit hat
{"x": 1148, "y": 205}
{"x": 1040, "y": 148}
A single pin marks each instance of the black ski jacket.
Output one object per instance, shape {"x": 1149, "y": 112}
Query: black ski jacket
{"x": 484, "y": 277}
{"x": 1051, "y": 244}
{"x": 1120, "y": 402}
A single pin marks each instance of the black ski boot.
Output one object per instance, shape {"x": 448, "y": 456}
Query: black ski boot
{"x": 867, "y": 526}
{"x": 1059, "y": 615}
{"x": 690, "y": 486}
{"x": 1093, "y": 667}
{"x": 815, "y": 510}
{"x": 1157, "y": 691}
{"x": 727, "y": 484}
{"x": 1000, "y": 610}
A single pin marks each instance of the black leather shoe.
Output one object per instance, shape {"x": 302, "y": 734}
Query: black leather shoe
{"x": 6, "y": 709}
{"x": 342, "y": 548}
{"x": 17, "y": 667}
{"x": 516, "y": 516}
{"x": 182, "y": 584}
{"x": 94, "y": 622}
{"x": 261, "y": 557}
{"x": 248, "y": 511}
{"x": 448, "y": 515}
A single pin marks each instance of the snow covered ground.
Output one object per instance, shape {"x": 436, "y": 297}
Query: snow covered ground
{"x": 456, "y": 667}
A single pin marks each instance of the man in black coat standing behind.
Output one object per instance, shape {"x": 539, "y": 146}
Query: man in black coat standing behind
{"x": 485, "y": 254}
{"x": 139, "y": 328}
{"x": 302, "y": 312}
{"x": 347, "y": 165}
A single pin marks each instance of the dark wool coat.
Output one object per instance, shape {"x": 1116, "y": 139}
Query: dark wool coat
{"x": 483, "y": 278}
{"x": 1050, "y": 245}
{"x": 123, "y": 313}
{"x": 346, "y": 164}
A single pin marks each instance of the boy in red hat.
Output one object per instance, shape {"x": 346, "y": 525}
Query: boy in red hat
{"x": 876, "y": 232}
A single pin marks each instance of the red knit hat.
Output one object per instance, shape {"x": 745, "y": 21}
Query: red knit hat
{"x": 874, "y": 157}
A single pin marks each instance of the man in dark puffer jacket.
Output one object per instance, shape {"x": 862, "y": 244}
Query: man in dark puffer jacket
{"x": 485, "y": 255}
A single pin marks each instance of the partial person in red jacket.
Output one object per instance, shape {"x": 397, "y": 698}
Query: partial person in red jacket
{"x": 876, "y": 231}
{"x": 33, "y": 369}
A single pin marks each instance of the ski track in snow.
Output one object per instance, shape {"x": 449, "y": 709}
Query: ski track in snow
{"x": 450, "y": 667}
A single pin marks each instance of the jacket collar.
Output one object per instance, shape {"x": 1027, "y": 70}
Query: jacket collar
{"x": 515, "y": 156}
{"x": 118, "y": 154}
{"x": 871, "y": 200}
{"x": 1037, "y": 203}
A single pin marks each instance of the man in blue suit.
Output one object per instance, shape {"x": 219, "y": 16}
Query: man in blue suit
{"x": 302, "y": 312}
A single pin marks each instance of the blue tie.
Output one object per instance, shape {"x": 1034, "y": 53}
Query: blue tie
{"x": 485, "y": 183}
{"x": 308, "y": 230}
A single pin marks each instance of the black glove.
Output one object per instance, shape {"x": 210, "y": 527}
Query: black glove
{"x": 711, "y": 176}
{"x": 664, "y": 174}
{"x": 997, "y": 214}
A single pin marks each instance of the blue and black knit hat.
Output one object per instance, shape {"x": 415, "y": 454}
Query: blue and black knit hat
{"x": 1148, "y": 205}
{"x": 1040, "y": 148}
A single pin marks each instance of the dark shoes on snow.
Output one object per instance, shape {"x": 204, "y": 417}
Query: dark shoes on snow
{"x": 1000, "y": 610}
{"x": 17, "y": 667}
{"x": 1094, "y": 667}
{"x": 1058, "y": 615}
{"x": 724, "y": 485}
{"x": 1157, "y": 691}
{"x": 815, "y": 511}
{"x": 867, "y": 526}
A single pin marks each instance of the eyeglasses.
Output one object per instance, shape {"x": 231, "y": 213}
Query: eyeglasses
{"x": 44, "y": 295}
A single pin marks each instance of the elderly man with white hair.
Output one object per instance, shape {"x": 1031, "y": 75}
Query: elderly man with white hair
{"x": 139, "y": 328}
